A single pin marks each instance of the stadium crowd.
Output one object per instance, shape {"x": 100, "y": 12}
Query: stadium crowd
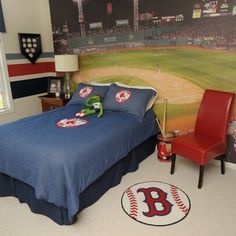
{"x": 217, "y": 31}
{"x": 114, "y": 30}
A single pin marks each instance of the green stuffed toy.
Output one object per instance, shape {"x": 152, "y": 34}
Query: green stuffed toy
{"x": 93, "y": 105}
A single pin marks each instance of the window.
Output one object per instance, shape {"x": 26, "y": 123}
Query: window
{"x": 5, "y": 91}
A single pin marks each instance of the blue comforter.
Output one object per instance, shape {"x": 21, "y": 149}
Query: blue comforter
{"x": 59, "y": 163}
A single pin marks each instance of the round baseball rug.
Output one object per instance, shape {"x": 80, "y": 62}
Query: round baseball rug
{"x": 155, "y": 203}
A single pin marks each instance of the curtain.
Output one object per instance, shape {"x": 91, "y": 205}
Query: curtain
{"x": 2, "y": 24}
{"x": 2, "y": 86}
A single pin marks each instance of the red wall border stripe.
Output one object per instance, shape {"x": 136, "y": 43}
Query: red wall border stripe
{"x": 28, "y": 69}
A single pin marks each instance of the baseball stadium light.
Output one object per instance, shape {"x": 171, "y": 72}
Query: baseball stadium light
{"x": 135, "y": 3}
{"x": 81, "y": 17}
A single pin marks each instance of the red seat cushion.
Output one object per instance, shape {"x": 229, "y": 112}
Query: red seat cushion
{"x": 198, "y": 147}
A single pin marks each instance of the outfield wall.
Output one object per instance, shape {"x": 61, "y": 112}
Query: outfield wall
{"x": 116, "y": 40}
{"x": 76, "y": 41}
{"x": 134, "y": 39}
{"x": 165, "y": 42}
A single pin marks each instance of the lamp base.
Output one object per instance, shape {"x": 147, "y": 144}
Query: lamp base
{"x": 67, "y": 87}
{"x": 67, "y": 95}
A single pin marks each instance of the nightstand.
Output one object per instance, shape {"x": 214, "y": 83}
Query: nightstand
{"x": 52, "y": 102}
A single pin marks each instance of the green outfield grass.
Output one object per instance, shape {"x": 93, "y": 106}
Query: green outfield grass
{"x": 174, "y": 110}
{"x": 205, "y": 68}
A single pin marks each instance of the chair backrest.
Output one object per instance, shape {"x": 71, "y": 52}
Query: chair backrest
{"x": 213, "y": 114}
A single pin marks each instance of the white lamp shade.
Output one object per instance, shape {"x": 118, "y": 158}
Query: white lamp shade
{"x": 66, "y": 63}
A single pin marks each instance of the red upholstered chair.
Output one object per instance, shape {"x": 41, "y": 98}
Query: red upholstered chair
{"x": 208, "y": 140}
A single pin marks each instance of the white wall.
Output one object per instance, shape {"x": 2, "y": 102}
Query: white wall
{"x": 23, "y": 107}
{"x": 26, "y": 16}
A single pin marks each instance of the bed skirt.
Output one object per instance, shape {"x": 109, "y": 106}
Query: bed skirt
{"x": 112, "y": 177}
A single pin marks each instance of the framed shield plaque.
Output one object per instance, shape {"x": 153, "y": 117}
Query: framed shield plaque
{"x": 30, "y": 46}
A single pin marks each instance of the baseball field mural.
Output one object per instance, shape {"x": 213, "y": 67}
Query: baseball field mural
{"x": 180, "y": 50}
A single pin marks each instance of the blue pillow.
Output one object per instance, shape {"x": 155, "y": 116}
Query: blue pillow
{"x": 129, "y": 100}
{"x": 85, "y": 91}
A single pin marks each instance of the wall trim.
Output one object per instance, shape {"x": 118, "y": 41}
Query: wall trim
{"x": 26, "y": 61}
{"x": 25, "y": 88}
{"x": 17, "y": 56}
{"x": 34, "y": 76}
{"x": 27, "y": 69}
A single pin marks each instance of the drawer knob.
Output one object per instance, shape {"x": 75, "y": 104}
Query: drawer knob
{"x": 51, "y": 108}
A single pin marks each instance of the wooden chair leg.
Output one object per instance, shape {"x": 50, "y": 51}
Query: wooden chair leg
{"x": 173, "y": 158}
{"x": 201, "y": 173}
{"x": 223, "y": 165}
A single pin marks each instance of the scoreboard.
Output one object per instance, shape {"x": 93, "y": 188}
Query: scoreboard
{"x": 213, "y": 8}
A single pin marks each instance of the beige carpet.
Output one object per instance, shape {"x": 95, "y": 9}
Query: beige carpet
{"x": 213, "y": 209}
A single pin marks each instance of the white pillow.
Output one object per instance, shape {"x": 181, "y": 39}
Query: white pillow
{"x": 152, "y": 100}
{"x": 99, "y": 84}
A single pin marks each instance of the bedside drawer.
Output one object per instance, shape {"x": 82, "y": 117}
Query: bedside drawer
{"x": 51, "y": 103}
{"x": 49, "y": 106}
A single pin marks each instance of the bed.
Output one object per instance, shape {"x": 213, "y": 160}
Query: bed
{"x": 59, "y": 169}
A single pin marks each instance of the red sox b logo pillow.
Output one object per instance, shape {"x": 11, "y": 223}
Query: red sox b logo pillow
{"x": 84, "y": 92}
{"x": 155, "y": 203}
{"x": 128, "y": 100}
{"x": 123, "y": 96}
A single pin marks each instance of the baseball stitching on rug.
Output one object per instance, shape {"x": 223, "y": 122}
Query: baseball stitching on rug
{"x": 133, "y": 204}
{"x": 178, "y": 201}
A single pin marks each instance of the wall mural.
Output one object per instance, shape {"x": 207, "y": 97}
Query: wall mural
{"x": 179, "y": 47}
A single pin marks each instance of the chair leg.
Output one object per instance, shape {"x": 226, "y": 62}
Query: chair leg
{"x": 223, "y": 165}
{"x": 173, "y": 158}
{"x": 201, "y": 173}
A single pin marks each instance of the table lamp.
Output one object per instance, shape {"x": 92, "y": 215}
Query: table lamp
{"x": 67, "y": 64}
